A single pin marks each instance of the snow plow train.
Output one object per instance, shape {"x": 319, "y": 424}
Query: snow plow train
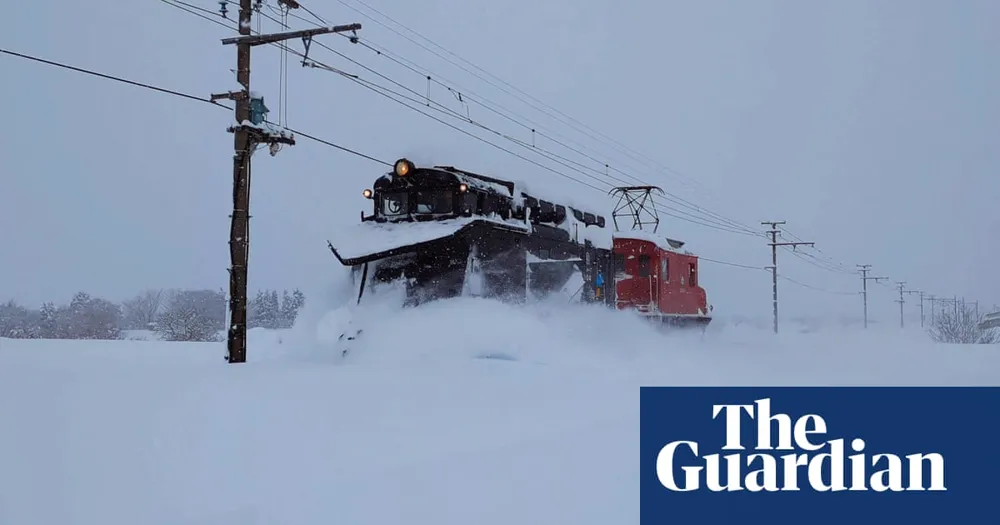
{"x": 447, "y": 232}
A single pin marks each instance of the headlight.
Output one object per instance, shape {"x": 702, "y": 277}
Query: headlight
{"x": 367, "y": 194}
{"x": 402, "y": 167}
{"x": 463, "y": 188}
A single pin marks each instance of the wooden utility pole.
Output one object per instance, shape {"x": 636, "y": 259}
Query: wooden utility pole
{"x": 899, "y": 285}
{"x": 250, "y": 130}
{"x": 944, "y": 302}
{"x": 921, "y": 304}
{"x": 774, "y": 231}
{"x": 864, "y": 269}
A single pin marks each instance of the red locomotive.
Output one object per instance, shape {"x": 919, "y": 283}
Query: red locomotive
{"x": 656, "y": 280}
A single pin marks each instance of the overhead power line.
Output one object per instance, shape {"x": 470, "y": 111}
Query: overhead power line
{"x": 181, "y": 94}
{"x": 532, "y": 101}
{"x": 415, "y": 103}
{"x": 422, "y": 103}
{"x": 701, "y": 217}
{"x": 466, "y": 97}
{"x": 297, "y": 132}
{"x": 816, "y": 288}
{"x": 112, "y": 77}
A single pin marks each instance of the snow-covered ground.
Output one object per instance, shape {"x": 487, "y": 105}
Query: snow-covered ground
{"x": 464, "y": 411}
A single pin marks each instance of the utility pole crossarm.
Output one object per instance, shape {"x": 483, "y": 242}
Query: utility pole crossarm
{"x": 256, "y": 40}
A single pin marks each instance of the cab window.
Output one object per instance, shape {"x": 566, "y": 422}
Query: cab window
{"x": 644, "y": 265}
{"x": 394, "y": 204}
{"x": 433, "y": 202}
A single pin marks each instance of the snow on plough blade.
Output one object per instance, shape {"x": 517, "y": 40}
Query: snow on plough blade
{"x": 369, "y": 242}
{"x": 478, "y": 257}
{"x": 446, "y": 232}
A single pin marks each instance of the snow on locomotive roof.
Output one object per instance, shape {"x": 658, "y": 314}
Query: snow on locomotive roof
{"x": 497, "y": 185}
{"x": 475, "y": 180}
{"x": 570, "y": 202}
{"x": 664, "y": 243}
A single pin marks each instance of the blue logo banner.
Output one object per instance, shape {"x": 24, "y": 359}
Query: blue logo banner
{"x": 817, "y": 455}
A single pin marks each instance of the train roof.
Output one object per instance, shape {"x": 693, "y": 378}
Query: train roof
{"x": 479, "y": 181}
{"x": 486, "y": 183}
{"x": 665, "y": 243}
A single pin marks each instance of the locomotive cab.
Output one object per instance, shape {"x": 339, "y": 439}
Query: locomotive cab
{"x": 657, "y": 280}
{"x": 409, "y": 193}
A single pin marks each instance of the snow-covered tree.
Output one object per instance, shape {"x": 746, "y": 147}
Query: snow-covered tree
{"x": 961, "y": 325}
{"x": 140, "y": 311}
{"x": 290, "y": 306}
{"x": 89, "y": 317}
{"x": 48, "y": 321}
{"x": 193, "y": 315}
{"x": 255, "y": 309}
{"x": 18, "y": 322}
{"x": 269, "y": 310}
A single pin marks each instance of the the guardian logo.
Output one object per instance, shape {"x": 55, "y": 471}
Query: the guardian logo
{"x": 821, "y": 470}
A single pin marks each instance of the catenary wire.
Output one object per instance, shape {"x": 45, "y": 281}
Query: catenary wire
{"x": 382, "y": 91}
{"x": 464, "y": 97}
{"x": 579, "y": 124}
{"x": 710, "y": 221}
{"x": 707, "y": 222}
{"x": 829, "y": 264}
{"x": 224, "y": 106}
{"x": 298, "y": 132}
{"x": 534, "y": 128}
{"x": 804, "y": 285}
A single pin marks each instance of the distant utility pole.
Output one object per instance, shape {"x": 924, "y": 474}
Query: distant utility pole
{"x": 921, "y": 304}
{"x": 864, "y": 269}
{"x": 251, "y": 130}
{"x": 900, "y": 284}
{"x": 774, "y": 231}
{"x": 932, "y": 299}
{"x": 947, "y": 301}
{"x": 965, "y": 311}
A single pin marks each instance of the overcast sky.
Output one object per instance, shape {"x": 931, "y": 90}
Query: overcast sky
{"x": 872, "y": 128}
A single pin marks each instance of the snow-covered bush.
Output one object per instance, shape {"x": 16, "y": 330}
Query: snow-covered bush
{"x": 961, "y": 325}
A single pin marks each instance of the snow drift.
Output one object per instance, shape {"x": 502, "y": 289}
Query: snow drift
{"x": 461, "y": 411}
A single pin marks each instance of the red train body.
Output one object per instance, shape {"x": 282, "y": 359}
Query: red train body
{"x": 657, "y": 280}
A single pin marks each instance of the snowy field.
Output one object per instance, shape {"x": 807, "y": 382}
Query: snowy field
{"x": 414, "y": 425}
